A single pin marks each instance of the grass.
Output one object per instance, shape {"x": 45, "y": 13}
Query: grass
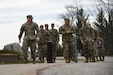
{"x": 8, "y": 52}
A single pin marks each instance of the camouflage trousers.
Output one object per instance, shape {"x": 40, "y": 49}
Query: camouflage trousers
{"x": 42, "y": 50}
{"x": 101, "y": 51}
{"x": 68, "y": 49}
{"x": 54, "y": 49}
{"x": 26, "y": 44}
{"x": 87, "y": 49}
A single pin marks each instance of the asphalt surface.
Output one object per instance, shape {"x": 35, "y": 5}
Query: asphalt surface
{"x": 23, "y": 69}
{"x": 60, "y": 68}
{"x": 81, "y": 68}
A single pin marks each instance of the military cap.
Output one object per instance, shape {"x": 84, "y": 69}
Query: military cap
{"x": 29, "y": 16}
{"x": 66, "y": 18}
{"x": 52, "y": 24}
{"x": 84, "y": 20}
{"x": 46, "y": 24}
{"x": 41, "y": 26}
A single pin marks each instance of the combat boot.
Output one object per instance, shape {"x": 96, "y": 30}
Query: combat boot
{"x": 72, "y": 59}
{"x": 54, "y": 60}
{"x": 41, "y": 60}
{"x": 67, "y": 60}
{"x": 86, "y": 61}
{"x": 96, "y": 58}
{"x": 34, "y": 61}
{"x": 90, "y": 59}
{"x": 93, "y": 59}
{"x": 102, "y": 58}
{"x": 25, "y": 61}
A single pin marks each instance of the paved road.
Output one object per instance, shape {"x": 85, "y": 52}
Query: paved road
{"x": 27, "y": 69}
{"x": 23, "y": 69}
{"x": 80, "y": 68}
{"x": 60, "y": 68}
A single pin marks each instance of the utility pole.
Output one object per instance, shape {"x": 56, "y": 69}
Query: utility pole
{"x": 75, "y": 48}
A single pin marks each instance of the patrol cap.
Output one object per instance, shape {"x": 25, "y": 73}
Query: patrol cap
{"x": 46, "y": 24}
{"x": 66, "y": 18}
{"x": 84, "y": 20}
{"x": 29, "y": 16}
{"x": 52, "y": 24}
{"x": 41, "y": 26}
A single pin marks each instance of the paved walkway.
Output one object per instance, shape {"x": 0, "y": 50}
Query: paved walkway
{"x": 60, "y": 68}
{"x": 80, "y": 68}
{"x": 24, "y": 69}
{"x": 27, "y": 69}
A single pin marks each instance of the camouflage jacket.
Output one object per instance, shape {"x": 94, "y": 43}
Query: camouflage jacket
{"x": 29, "y": 29}
{"x": 54, "y": 35}
{"x": 43, "y": 35}
{"x": 65, "y": 36}
{"x": 88, "y": 33}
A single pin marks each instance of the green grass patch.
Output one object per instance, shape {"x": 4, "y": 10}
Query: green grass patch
{"x": 8, "y": 52}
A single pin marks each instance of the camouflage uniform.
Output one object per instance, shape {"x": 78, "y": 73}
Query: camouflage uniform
{"x": 54, "y": 35}
{"x": 87, "y": 36}
{"x": 67, "y": 39}
{"x": 29, "y": 38}
{"x": 101, "y": 51}
{"x": 95, "y": 48}
{"x": 48, "y": 37}
{"x": 47, "y": 31}
{"x": 42, "y": 44}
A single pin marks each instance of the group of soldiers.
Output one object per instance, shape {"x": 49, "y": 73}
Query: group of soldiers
{"x": 44, "y": 36}
{"x": 92, "y": 44}
{"x": 35, "y": 35}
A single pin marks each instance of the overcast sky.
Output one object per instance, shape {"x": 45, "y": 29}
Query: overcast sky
{"x": 13, "y": 15}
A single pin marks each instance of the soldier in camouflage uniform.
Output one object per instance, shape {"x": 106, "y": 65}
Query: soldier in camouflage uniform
{"x": 47, "y": 30}
{"x": 95, "y": 48}
{"x": 87, "y": 36}
{"x": 55, "y": 39}
{"x": 30, "y": 37}
{"x": 42, "y": 43}
{"x": 67, "y": 30}
{"x": 101, "y": 51}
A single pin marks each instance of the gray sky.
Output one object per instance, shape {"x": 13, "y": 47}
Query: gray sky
{"x": 13, "y": 15}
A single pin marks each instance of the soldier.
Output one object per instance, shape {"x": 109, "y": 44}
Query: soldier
{"x": 49, "y": 45}
{"x": 55, "y": 39}
{"x": 101, "y": 51}
{"x": 95, "y": 48}
{"x": 42, "y": 38}
{"x": 30, "y": 37}
{"x": 47, "y": 30}
{"x": 87, "y": 36}
{"x": 67, "y": 30}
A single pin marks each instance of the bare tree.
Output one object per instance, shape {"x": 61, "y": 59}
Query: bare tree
{"x": 107, "y": 6}
{"x": 75, "y": 13}
{"x": 106, "y": 23}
